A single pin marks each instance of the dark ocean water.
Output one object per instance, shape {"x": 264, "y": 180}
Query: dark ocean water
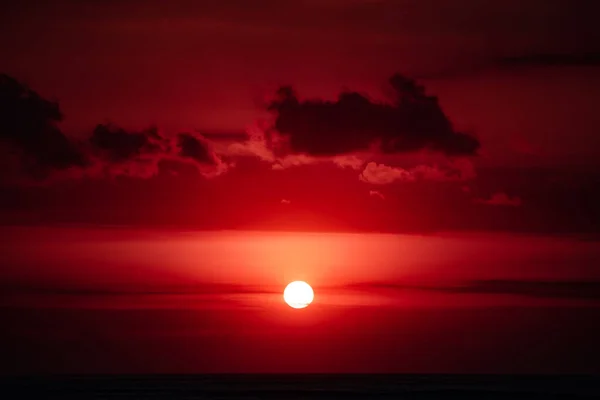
{"x": 302, "y": 387}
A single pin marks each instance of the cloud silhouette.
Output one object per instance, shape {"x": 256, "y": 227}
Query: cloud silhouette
{"x": 117, "y": 144}
{"x": 413, "y": 121}
{"x": 117, "y": 151}
{"x": 197, "y": 148}
{"x": 346, "y": 132}
{"x": 29, "y": 131}
{"x": 32, "y": 145}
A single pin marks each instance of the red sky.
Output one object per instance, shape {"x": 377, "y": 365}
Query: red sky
{"x": 469, "y": 126}
{"x": 209, "y": 65}
{"x": 522, "y": 78}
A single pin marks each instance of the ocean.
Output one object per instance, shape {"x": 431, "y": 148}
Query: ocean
{"x": 291, "y": 387}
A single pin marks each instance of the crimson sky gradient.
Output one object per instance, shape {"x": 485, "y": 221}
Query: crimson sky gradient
{"x": 430, "y": 167}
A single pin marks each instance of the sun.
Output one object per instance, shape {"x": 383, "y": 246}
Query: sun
{"x": 298, "y": 294}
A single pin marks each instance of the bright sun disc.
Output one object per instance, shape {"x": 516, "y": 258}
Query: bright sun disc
{"x": 298, "y": 294}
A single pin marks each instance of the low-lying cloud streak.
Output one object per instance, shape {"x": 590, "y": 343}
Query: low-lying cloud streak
{"x": 567, "y": 290}
{"x": 500, "y": 199}
{"x": 582, "y": 290}
{"x": 587, "y": 59}
{"x": 381, "y": 174}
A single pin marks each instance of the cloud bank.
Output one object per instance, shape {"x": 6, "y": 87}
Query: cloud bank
{"x": 349, "y": 132}
{"x": 33, "y": 145}
{"x": 413, "y": 121}
{"x": 29, "y": 130}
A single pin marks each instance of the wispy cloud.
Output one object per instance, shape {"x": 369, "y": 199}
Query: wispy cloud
{"x": 551, "y": 60}
{"x": 377, "y": 194}
{"x": 500, "y": 199}
{"x": 583, "y": 290}
{"x": 456, "y": 170}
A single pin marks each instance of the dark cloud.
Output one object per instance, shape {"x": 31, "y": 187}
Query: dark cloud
{"x": 28, "y": 130}
{"x": 412, "y": 122}
{"x": 140, "y": 153}
{"x": 197, "y": 148}
{"x": 583, "y": 290}
{"x": 119, "y": 152}
{"x": 552, "y": 60}
{"x": 553, "y": 289}
{"x": 32, "y": 145}
{"x": 477, "y": 66}
{"x": 117, "y": 144}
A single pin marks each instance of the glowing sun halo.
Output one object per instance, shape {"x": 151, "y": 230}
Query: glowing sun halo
{"x": 298, "y": 294}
